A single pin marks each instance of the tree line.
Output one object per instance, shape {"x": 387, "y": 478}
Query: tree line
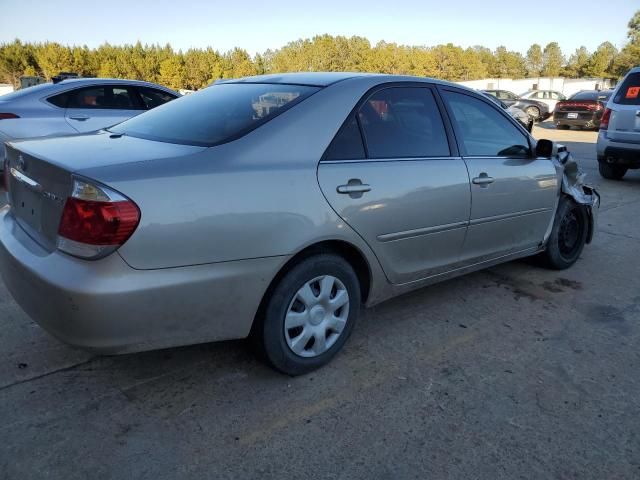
{"x": 197, "y": 68}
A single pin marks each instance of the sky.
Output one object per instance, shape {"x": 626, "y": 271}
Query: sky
{"x": 258, "y": 25}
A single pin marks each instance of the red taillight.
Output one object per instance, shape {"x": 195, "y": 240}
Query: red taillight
{"x": 604, "y": 121}
{"x": 98, "y": 223}
{"x": 7, "y": 115}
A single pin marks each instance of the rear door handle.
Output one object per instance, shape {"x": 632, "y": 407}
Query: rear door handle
{"x": 483, "y": 180}
{"x": 354, "y": 188}
{"x": 79, "y": 117}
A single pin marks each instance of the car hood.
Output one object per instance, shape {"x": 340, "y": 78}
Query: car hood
{"x": 99, "y": 149}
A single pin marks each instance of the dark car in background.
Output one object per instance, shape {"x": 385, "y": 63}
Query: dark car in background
{"x": 523, "y": 119}
{"x": 583, "y": 109}
{"x": 538, "y": 111}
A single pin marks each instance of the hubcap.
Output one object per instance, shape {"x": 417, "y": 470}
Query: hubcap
{"x": 316, "y": 316}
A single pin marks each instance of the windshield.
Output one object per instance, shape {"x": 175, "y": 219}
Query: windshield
{"x": 215, "y": 115}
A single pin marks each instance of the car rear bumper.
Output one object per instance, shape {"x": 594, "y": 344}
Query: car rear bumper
{"x": 618, "y": 153}
{"x": 581, "y": 121}
{"x": 107, "y": 306}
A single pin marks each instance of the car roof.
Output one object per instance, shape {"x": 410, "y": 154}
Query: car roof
{"x": 49, "y": 88}
{"x": 324, "y": 79}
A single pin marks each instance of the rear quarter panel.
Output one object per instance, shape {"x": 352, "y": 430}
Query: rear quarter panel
{"x": 254, "y": 197}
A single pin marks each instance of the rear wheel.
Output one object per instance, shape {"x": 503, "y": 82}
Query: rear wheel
{"x": 309, "y": 314}
{"x": 568, "y": 235}
{"x": 611, "y": 172}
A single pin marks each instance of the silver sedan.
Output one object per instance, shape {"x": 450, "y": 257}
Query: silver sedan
{"x": 275, "y": 207}
{"x": 75, "y": 105}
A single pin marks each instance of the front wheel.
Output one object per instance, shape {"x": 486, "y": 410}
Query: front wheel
{"x": 309, "y": 314}
{"x": 533, "y": 112}
{"x": 568, "y": 235}
{"x": 611, "y": 172}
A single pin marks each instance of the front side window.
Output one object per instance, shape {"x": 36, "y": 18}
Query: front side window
{"x": 504, "y": 95}
{"x": 215, "y": 115}
{"x": 484, "y": 130}
{"x": 401, "y": 122}
{"x": 102, "y": 97}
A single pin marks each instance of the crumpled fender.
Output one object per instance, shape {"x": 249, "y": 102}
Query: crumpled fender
{"x": 573, "y": 185}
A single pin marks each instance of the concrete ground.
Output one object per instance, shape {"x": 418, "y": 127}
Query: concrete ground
{"x": 515, "y": 372}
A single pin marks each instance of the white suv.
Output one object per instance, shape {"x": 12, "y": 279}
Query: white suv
{"x": 619, "y": 137}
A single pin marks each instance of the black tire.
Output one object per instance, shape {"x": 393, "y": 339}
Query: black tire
{"x": 269, "y": 331}
{"x": 568, "y": 235}
{"x": 611, "y": 172}
{"x": 533, "y": 112}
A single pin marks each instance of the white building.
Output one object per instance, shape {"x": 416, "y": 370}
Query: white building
{"x": 5, "y": 88}
{"x": 567, "y": 86}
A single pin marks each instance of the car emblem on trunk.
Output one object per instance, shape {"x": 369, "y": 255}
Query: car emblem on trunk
{"x": 21, "y": 163}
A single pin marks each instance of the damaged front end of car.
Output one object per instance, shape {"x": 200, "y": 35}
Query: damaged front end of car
{"x": 574, "y": 186}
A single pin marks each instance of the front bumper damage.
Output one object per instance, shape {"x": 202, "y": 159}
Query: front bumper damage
{"x": 573, "y": 185}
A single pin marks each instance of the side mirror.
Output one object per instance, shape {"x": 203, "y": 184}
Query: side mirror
{"x": 545, "y": 148}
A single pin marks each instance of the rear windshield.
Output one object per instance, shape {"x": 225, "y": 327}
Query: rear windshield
{"x": 25, "y": 91}
{"x": 590, "y": 95}
{"x": 629, "y": 91}
{"x": 215, "y": 115}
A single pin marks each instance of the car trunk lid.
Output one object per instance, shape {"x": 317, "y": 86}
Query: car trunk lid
{"x": 37, "y": 192}
{"x": 40, "y": 173}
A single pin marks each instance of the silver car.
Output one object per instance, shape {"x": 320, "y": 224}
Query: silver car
{"x": 275, "y": 206}
{"x": 618, "y": 144}
{"x": 74, "y": 106}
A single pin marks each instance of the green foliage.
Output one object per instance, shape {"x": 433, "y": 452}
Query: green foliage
{"x": 552, "y": 60}
{"x": 629, "y": 56}
{"x": 601, "y": 62}
{"x": 197, "y": 68}
{"x": 577, "y": 65}
{"x": 535, "y": 60}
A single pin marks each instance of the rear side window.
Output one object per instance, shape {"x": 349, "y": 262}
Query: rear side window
{"x": 629, "y": 91}
{"x": 217, "y": 114}
{"x": 153, "y": 98}
{"x": 347, "y": 144}
{"x": 402, "y": 122}
{"x": 484, "y": 130}
{"x": 59, "y": 100}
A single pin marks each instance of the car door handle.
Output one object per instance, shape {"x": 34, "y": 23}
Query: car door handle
{"x": 483, "y": 180}
{"x": 79, "y": 117}
{"x": 354, "y": 188}
{"x": 362, "y": 188}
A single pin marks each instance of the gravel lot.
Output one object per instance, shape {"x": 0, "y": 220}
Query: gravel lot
{"x": 513, "y": 372}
